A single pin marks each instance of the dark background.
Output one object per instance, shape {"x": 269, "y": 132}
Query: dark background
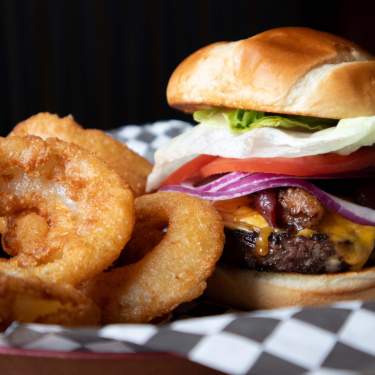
{"x": 108, "y": 62}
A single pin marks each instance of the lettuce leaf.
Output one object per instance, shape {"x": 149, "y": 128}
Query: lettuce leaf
{"x": 346, "y": 137}
{"x": 241, "y": 120}
{"x": 205, "y": 114}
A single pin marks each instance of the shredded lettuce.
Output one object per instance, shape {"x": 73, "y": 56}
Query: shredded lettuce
{"x": 241, "y": 120}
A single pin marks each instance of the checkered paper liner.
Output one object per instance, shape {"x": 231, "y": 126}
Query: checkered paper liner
{"x": 335, "y": 339}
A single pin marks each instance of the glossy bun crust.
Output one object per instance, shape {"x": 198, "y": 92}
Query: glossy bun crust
{"x": 286, "y": 70}
{"x": 246, "y": 289}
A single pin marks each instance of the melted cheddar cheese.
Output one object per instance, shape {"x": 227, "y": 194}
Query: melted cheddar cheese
{"x": 354, "y": 242}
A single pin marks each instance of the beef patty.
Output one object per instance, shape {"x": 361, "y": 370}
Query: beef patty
{"x": 286, "y": 252}
{"x": 288, "y": 210}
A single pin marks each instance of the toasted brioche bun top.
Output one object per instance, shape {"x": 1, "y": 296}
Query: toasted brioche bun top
{"x": 286, "y": 70}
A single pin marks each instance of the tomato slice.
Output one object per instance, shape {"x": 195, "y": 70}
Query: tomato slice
{"x": 303, "y": 166}
{"x": 189, "y": 170}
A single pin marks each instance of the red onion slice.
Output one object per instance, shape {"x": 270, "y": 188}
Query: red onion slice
{"x": 237, "y": 184}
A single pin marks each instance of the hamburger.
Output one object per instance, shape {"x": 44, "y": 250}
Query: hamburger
{"x": 284, "y": 149}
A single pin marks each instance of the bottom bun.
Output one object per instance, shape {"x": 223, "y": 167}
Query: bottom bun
{"x": 246, "y": 289}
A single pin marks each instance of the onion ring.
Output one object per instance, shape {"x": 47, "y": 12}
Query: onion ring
{"x": 174, "y": 271}
{"x": 30, "y": 300}
{"x": 65, "y": 216}
{"x": 131, "y": 167}
{"x": 25, "y": 233}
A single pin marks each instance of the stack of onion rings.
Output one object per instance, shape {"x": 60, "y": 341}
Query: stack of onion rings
{"x": 67, "y": 212}
{"x": 174, "y": 271}
{"x": 131, "y": 167}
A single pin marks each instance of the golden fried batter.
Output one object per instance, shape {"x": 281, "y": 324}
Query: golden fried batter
{"x": 28, "y": 299}
{"x": 65, "y": 215}
{"x": 132, "y": 168}
{"x": 174, "y": 271}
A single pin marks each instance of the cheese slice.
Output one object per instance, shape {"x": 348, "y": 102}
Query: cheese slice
{"x": 353, "y": 242}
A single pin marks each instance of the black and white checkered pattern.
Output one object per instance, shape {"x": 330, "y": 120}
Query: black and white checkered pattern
{"x": 148, "y": 138}
{"x": 338, "y": 339}
{"x": 317, "y": 341}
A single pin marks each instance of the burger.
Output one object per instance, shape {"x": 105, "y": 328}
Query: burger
{"x": 284, "y": 149}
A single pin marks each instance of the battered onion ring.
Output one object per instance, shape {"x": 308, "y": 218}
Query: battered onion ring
{"x": 65, "y": 216}
{"x": 132, "y": 168}
{"x": 174, "y": 271}
{"x": 32, "y": 300}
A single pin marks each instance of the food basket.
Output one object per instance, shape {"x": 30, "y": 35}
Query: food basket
{"x": 201, "y": 337}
